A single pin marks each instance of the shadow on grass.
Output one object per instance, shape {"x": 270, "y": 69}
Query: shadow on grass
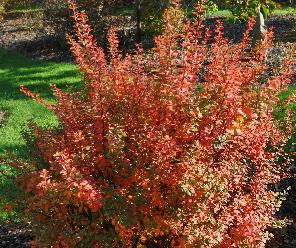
{"x": 14, "y": 71}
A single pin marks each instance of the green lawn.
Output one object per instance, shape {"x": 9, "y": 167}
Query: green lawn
{"x": 285, "y": 11}
{"x": 291, "y": 145}
{"x": 14, "y": 71}
{"x": 21, "y": 7}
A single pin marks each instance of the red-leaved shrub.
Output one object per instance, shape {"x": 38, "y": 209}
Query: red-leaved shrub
{"x": 175, "y": 148}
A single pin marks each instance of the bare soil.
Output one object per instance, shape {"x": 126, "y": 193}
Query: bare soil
{"x": 15, "y": 235}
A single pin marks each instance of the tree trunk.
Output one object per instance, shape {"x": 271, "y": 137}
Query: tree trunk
{"x": 259, "y": 28}
{"x": 138, "y": 20}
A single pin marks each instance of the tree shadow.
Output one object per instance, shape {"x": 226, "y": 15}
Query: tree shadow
{"x": 37, "y": 76}
{"x": 16, "y": 70}
{"x": 45, "y": 48}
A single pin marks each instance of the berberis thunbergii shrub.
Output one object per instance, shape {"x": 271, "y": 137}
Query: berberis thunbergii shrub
{"x": 172, "y": 149}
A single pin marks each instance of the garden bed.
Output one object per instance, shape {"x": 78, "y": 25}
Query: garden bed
{"x": 15, "y": 235}
{"x": 286, "y": 237}
{"x": 40, "y": 43}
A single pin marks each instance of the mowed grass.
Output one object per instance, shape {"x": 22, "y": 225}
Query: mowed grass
{"x": 14, "y": 71}
{"x": 285, "y": 11}
{"x": 291, "y": 144}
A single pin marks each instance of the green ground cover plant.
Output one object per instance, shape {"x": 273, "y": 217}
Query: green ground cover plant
{"x": 15, "y": 70}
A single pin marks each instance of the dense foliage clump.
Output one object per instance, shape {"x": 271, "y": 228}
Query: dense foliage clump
{"x": 176, "y": 148}
{"x": 244, "y": 9}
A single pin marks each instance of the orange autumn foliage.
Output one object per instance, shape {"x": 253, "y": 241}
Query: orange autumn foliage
{"x": 175, "y": 148}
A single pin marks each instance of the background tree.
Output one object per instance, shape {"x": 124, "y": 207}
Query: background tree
{"x": 150, "y": 13}
{"x": 244, "y": 9}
